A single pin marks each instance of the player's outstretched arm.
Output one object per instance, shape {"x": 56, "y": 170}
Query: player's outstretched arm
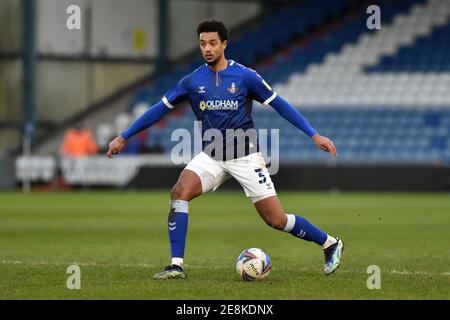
{"x": 297, "y": 119}
{"x": 150, "y": 117}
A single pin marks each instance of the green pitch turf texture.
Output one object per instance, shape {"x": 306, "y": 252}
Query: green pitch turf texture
{"x": 119, "y": 240}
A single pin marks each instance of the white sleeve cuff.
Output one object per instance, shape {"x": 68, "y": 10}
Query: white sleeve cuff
{"x": 167, "y": 103}
{"x": 273, "y": 96}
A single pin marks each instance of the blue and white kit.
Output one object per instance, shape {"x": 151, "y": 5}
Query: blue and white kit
{"x": 223, "y": 100}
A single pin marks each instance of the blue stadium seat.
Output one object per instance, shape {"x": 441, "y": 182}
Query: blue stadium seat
{"x": 428, "y": 54}
{"x": 378, "y": 135}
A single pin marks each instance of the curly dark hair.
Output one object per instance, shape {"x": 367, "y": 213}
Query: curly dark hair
{"x": 213, "y": 26}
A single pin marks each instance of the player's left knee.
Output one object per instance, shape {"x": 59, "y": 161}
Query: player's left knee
{"x": 182, "y": 191}
{"x": 179, "y": 193}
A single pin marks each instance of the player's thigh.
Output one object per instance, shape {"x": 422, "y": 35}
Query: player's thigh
{"x": 252, "y": 175}
{"x": 272, "y": 212}
{"x": 209, "y": 171}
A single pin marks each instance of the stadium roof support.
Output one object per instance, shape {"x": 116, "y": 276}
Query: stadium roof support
{"x": 29, "y": 64}
{"x": 163, "y": 35}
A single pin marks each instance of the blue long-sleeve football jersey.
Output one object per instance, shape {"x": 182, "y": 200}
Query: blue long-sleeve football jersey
{"x": 222, "y": 100}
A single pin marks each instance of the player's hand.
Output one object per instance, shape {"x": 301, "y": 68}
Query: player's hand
{"x": 116, "y": 145}
{"x": 324, "y": 144}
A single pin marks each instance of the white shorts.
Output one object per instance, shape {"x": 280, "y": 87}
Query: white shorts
{"x": 250, "y": 171}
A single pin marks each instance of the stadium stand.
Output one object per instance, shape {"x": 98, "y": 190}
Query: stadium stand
{"x": 383, "y": 96}
{"x": 427, "y": 54}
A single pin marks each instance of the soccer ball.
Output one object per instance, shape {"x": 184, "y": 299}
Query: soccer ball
{"x": 253, "y": 264}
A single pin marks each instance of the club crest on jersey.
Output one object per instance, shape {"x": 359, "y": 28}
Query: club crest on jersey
{"x": 233, "y": 89}
{"x": 201, "y": 89}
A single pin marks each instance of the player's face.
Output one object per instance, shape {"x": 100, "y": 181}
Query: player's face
{"x": 211, "y": 46}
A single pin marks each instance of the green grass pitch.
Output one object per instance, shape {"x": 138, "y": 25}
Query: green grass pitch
{"x": 119, "y": 240}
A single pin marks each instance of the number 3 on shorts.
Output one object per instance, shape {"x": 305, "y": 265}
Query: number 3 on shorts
{"x": 261, "y": 175}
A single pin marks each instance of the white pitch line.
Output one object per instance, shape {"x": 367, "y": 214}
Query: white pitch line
{"x": 81, "y": 264}
{"x": 150, "y": 266}
{"x": 93, "y": 264}
{"x": 420, "y": 273}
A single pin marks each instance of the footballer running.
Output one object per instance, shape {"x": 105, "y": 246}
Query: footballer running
{"x": 220, "y": 93}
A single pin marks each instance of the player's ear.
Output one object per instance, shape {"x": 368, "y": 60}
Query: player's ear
{"x": 224, "y": 44}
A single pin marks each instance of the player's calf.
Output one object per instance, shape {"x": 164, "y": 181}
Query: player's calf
{"x": 187, "y": 187}
{"x": 276, "y": 223}
{"x": 272, "y": 212}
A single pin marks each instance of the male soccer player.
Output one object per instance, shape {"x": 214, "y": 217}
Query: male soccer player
{"x": 220, "y": 93}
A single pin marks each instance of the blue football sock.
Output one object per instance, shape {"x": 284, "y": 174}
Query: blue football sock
{"x": 303, "y": 229}
{"x": 178, "y": 224}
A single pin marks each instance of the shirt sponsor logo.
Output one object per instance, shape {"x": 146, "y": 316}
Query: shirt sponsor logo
{"x": 219, "y": 105}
